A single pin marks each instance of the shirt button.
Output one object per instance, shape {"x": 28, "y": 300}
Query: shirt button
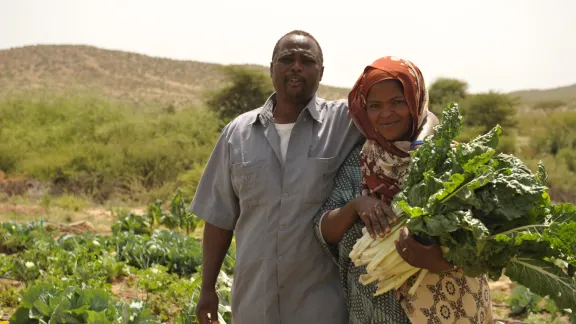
{"x": 286, "y": 195}
{"x": 280, "y": 258}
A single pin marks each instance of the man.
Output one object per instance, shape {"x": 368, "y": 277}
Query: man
{"x": 269, "y": 173}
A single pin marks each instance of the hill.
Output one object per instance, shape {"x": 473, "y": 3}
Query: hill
{"x": 145, "y": 79}
{"x": 532, "y": 96}
{"x": 119, "y": 75}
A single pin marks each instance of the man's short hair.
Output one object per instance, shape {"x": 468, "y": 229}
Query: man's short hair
{"x": 299, "y": 33}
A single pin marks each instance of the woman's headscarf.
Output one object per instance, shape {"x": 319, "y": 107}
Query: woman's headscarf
{"x": 385, "y": 163}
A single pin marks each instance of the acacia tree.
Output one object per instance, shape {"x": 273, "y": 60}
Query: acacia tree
{"x": 486, "y": 110}
{"x": 248, "y": 89}
{"x": 443, "y": 91}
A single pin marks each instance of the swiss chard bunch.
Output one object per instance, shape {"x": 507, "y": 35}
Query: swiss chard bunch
{"x": 490, "y": 212}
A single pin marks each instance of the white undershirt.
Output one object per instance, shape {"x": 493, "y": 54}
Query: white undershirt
{"x": 284, "y": 130}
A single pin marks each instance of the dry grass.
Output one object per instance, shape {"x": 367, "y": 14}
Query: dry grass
{"x": 119, "y": 75}
{"x": 534, "y": 96}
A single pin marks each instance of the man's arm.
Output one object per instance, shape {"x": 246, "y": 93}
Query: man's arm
{"x": 216, "y": 202}
{"x": 214, "y": 247}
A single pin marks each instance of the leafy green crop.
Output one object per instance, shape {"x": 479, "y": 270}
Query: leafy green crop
{"x": 179, "y": 215}
{"x": 491, "y": 212}
{"x": 72, "y": 274}
{"x": 15, "y": 237}
{"x": 44, "y": 303}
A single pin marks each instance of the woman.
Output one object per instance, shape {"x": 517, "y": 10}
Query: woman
{"x": 389, "y": 104}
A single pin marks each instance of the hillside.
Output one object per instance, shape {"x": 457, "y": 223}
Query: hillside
{"x": 566, "y": 94}
{"x": 145, "y": 79}
{"x": 118, "y": 75}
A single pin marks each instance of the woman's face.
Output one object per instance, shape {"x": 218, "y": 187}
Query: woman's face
{"x": 388, "y": 110}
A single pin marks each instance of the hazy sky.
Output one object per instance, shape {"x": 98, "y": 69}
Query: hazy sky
{"x": 502, "y": 45}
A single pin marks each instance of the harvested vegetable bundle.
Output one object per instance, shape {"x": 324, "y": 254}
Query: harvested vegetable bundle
{"x": 488, "y": 211}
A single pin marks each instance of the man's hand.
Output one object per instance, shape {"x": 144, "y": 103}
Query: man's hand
{"x": 214, "y": 248}
{"x": 207, "y": 308}
{"x": 428, "y": 257}
{"x": 376, "y": 215}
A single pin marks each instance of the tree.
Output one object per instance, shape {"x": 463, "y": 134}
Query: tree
{"x": 485, "y": 110}
{"x": 248, "y": 89}
{"x": 444, "y": 91}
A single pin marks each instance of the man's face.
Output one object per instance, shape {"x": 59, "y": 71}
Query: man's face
{"x": 296, "y": 69}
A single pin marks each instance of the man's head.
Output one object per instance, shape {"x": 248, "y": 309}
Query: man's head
{"x": 297, "y": 67}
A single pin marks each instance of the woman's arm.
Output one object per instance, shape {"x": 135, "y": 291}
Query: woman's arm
{"x": 373, "y": 212}
{"x": 346, "y": 188}
{"x": 346, "y": 204}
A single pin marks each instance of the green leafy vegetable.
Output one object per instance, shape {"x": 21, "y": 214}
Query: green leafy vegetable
{"x": 490, "y": 211}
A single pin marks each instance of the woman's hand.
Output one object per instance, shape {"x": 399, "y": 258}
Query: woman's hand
{"x": 428, "y": 257}
{"x": 376, "y": 215}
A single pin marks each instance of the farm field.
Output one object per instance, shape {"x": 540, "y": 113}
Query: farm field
{"x": 140, "y": 265}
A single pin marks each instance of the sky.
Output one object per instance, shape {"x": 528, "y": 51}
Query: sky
{"x": 500, "y": 45}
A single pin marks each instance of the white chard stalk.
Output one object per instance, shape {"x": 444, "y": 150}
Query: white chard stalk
{"x": 384, "y": 264}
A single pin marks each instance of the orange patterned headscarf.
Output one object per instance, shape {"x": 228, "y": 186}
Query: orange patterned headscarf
{"x": 385, "y": 163}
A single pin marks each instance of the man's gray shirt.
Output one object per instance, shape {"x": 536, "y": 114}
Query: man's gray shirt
{"x": 281, "y": 274}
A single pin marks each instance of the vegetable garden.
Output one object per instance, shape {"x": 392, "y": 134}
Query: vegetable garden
{"x": 70, "y": 278}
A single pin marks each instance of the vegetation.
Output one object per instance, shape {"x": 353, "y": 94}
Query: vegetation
{"x": 94, "y": 147}
{"x": 248, "y": 90}
{"x": 446, "y": 90}
{"x": 71, "y": 277}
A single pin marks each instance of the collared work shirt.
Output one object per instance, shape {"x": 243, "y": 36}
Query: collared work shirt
{"x": 281, "y": 274}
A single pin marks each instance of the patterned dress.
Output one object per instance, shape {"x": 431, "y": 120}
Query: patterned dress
{"x": 448, "y": 297}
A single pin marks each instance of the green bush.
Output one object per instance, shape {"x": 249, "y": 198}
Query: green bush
{"x": 91, "y": 146}
{"x": 70, "y": 202}
{"x": 549, "y": 104}
{"x": 489, "y": 109}
{"x": 556, "y": 133}
{"x": 568, "y": 156}
{"x": 444, "y": 91}
{"x": 507, "y": 144}
{"x": 248, "y": 90}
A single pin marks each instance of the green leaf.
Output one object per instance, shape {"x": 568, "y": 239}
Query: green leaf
{"x": 471, "y": 157}
{"x": 411, "y": 211}
{"x": 563, "y": 212}
{"x": 93, "y": 317}
{"x": 41, "y": 308}
{"x": 484, "y": 175}
{"x": 474, "y": 225}
{"x": 21, "y": 316}
{"x": 562, "y": 236}
{"x": 436, "y": 147}
{"x": 100, "y": 300}
{"x": 490, "y": 139}
{"x": 545, "y": 279}
{"x": 33, "y": 294}
{"x": 437, "y": 225}
{"x": 450, "y": 186}
{"x": 541, "y": 175}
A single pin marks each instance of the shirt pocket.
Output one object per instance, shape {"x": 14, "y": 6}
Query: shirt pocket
{"x": 249, "y": 181}
{"x": 319, "y": 179}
